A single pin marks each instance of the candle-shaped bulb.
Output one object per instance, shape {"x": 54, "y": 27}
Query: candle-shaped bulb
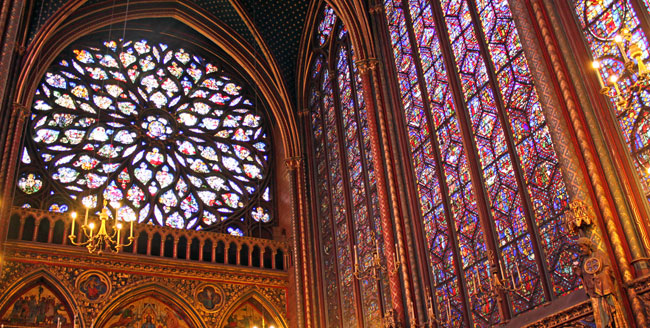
{"x": 119, "y": 235}
{"x": 596, "y": 65}
{"x": 613, "y": 79}
{"x": 91, "y": 225}
{"x": 356, "y": 256}
{"x": 618, "y": 38}
{"x": 74, "y": 217}
{"x": 131, "y": 234}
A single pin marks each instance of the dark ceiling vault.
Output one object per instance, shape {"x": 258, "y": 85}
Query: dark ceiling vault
{"x": 280, "y": 23}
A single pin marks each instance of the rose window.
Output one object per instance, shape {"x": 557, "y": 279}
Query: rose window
{"x": 173, "y": 139}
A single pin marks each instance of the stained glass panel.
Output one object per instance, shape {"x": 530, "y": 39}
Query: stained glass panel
{"x": 347, "y": 194}
{"x": 366, "y": 239}
{"x": 424, "y": 163}
{"x": 171, "y": 136}
{"x": 533, "y": 143}
{"x": 529, "y": 157}
{"x": 328, "y": 248}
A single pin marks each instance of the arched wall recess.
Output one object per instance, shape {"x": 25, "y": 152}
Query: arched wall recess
{"x": 31, "y": 279}
{"x": 254, "y": 294}
{"x": 62, "y": 30}
{"x": 160, "y": 293}
{"x": 71, "y": 23}
{"x": 354, "y": 17}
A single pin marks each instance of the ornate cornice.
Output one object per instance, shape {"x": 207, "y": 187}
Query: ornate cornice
{"x": 566, "y": 318}
{"x": 48, "y": 254}
{"x": 125, "y": 287}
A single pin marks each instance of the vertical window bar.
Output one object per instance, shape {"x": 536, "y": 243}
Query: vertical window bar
{"x": 329, "y": 253}
{"x": 539, "y": 165}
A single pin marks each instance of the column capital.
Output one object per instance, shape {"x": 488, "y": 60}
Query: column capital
{"x": 293, "y": 163}
{"x": 366, "y": 65}
{"x": 303, "y": 112}
{"x": 377, "y": 8}
{"x": 21, "y": 109}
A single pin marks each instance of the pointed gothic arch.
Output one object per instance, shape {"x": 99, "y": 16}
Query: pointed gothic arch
{"x": 254, "y": 294}
{"x": 63, "y": 29}
{"x": 33, "y": 279}
{"x": 161, "y": 293}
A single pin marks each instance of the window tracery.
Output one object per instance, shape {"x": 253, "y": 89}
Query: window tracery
{"x": 345, "y": 184}
{"x": 510, "y": 147}
{"x": 159, "y": 132}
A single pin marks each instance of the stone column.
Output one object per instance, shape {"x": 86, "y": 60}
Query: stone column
{"x": 591, "y": 161}
{"x": 371, "y": 89}
{"x": 294, "y": 165}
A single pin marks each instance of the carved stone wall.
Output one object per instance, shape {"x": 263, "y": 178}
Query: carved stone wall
{"x": 207, "y": 293}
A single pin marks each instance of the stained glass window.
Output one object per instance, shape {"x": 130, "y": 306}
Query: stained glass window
{"x": 173, "y": 139}
{"x": 601, "y": 22}
{"x": 511, "y": 148}
{"x": 346, "y": 191}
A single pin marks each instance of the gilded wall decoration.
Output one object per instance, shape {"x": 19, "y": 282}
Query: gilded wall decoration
{"x": 37, "y": 306}
{"x": 147, "y": 312}
{"x": 209, "y": 296}
{"x": 94, "y": 285}
{"x": 249, "y": 315}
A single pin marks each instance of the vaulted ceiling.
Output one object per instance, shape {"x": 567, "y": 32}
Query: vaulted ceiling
{"x": 279, "y": 22}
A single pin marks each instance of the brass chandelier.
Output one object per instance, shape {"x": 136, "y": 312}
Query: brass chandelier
{"x": 633, "y": 64}
{"x": 109, "y": 234}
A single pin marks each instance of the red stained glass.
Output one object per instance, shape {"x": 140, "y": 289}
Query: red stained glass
{"x": 347, "y": 190}
{"x": 418, "y": 53}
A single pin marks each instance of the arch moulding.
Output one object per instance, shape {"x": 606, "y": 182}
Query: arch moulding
{"x": 70, "y": 23}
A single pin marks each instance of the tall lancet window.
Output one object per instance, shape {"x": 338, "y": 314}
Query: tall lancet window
{"x": 468, "y": 103}
{"x": 156, "y": 131}
{"x": 601, "y": 22}
{"x": 345, "y": 188}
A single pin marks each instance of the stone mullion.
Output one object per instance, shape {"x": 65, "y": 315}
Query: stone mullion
{"x": 363, "y": 153}
{"x": 528, "y": 208}
{"x": 349, "y": 205}
{"x": 319, "y": 321}
{"x": 570, "y": 159}
{"x": 607, "y": 220}
{"x": 369, "y": 84}
{"x": 476, "y": 174}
